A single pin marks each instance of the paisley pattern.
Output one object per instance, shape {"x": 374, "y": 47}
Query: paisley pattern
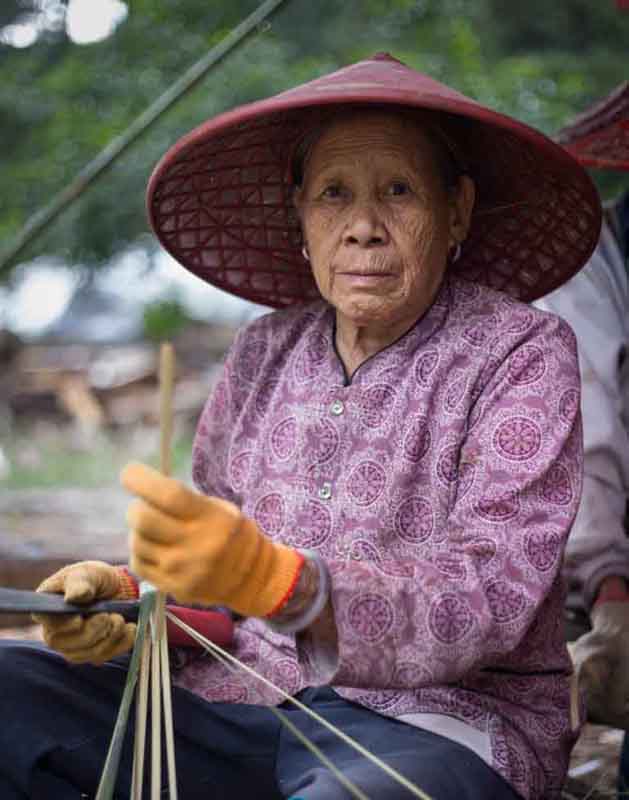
{"x": 414, "y": 520}
{"x": 556, "y": 487}
{"x": 541, "y": 549}
{"x": 417, "y": 440}
{"x": 498, "y": 508}
{"x": 450, "y": 618}
{"x": 568, "y": 404}
{"x": 284, "y": 439}
{"x": 517, "y": 439}
{"x": 375, "y": 404}
{"x": 310, "y": 357}
{"x": 447, "y": 465}
{"x": 322, "y": 442}
{"x": 371, "y": 617}
{"x": 249, "y": 359}
{"x": 269, "y": 514}
{"x": 526, "y": 365}
{"x": 316, "y": 525}
{"x": 505, "y": 602}
{"x": 238, "y": 469}
{"x": 439, "y": 487}
{"x": 425, "y": 366}
{"x": 366, "y": 483}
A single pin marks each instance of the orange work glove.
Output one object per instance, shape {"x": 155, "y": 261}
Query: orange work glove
{"x": 94, "y": 638}
{"x": 203, "y": 550}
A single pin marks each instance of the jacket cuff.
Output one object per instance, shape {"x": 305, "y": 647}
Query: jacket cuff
{"x": 613, "y": 589}
{"x": 129, "y": 585}
{"x": 312, "y": 612}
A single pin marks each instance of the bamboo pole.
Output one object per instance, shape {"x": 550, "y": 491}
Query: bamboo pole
{"x": 155, "y": 654}
{"x": 166, "y": 384}
{"x": 43, "y": 218}
{"x": 160, "y": 666}
{"x": 141, "y": 710}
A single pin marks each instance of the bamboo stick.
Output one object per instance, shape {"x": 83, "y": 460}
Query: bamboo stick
{"x": 141, "y": 709}
{"x": 166, "y": 388}
{"x": 110, "y": 770}
{"x": 160, "y": 666}
{"x": 156, "y": 704}
{"x": 45, "y": 216}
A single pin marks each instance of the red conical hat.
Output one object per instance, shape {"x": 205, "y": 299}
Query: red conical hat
{"x": 599, "y": 137}
{"x": 220, "y": 199}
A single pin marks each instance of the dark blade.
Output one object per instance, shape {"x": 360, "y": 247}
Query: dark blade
{"x": 21, "y": 601}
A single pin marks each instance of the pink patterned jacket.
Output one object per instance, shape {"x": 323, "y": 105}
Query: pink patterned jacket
{"x": 439, "y": 486}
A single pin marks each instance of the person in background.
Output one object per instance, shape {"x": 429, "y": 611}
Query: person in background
{"x": 596, "y": 304}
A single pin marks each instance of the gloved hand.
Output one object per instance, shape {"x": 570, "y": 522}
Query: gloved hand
{"x": 601, "y": 662}
{"x": 203, "y": 550}
{"x": 94, "y": 638}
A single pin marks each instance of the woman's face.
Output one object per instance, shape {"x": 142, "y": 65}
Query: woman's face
{"x": 377, "y": 219}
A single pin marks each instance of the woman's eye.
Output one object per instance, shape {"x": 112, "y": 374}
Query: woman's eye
{"x": 398, "y": 188}
{"x": 331, "y": 192}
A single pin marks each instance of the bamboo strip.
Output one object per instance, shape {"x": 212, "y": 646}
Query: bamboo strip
{"x": 43, "y": 218}
{"x": 160, "y": 642}
{"x": 156, "y": 712}
{"x": 166, "y": 385}
{"x": 316, "y": 751}
{"x": 214, "y": 648}
{"x": 168, "y": 723}
{"x": 107, "y": 782}
{"x": 141, "y": 709}
{"x": 351, "y": 787}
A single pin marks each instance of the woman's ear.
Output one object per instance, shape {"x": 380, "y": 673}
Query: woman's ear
{"x": 462, "y": 205}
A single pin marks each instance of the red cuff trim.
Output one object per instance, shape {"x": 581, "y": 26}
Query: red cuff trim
{"x": 129, "y": 587}
{"x": 301, "y": 560}
{"x": 613, "y": 590}
{"x": 611, "y": 597}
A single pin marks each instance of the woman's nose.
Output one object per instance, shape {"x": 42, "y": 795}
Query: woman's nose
{"x": 365, "y": 229}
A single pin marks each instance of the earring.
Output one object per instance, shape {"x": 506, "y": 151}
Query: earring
{"x": 455, "y": 253}
{"x": 305, "y": 253}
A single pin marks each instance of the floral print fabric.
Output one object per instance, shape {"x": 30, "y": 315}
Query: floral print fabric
{"x": 439, "y": 485}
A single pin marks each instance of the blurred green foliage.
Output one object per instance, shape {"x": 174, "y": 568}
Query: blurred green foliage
{"x": 61, "y": 103}
{"x": 57, "y": 463}
{"x": 164, "y": 319}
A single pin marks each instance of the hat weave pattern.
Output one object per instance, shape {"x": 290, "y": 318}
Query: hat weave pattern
{"x": 220, "y": 201}
{"x": 599, "y": 138}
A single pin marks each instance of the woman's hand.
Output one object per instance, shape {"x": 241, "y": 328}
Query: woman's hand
{"x": 203, "y": 550}
{"x": 93, "y": 638}
{"x": 601, "y": 656}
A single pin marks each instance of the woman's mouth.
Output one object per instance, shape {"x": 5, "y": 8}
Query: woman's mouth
{"x": 365, "y": 279}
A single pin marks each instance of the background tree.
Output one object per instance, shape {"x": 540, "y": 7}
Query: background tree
{"x": 61, "y": 102}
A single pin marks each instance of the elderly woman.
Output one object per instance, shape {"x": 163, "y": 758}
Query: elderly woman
{"x": 387, "y": 473}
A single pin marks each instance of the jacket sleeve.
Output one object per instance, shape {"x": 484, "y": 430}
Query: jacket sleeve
{"x": 595, "y": 303}
{"x": 470, "y": 600}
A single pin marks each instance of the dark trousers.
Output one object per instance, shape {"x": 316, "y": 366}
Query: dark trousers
{"x": 56, "y": 720}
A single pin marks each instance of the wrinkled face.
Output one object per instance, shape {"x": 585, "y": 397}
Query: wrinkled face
{"x": 377, "y": 219}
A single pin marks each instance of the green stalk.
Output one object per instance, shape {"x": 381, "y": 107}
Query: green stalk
{"x": 112, "y": 762}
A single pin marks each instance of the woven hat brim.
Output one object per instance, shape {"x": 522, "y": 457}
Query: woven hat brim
{"x": 599, "y": 137}
{"x": 220, "y": 200}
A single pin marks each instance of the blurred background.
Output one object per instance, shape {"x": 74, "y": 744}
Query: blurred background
{"x": 84, "y": 305}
